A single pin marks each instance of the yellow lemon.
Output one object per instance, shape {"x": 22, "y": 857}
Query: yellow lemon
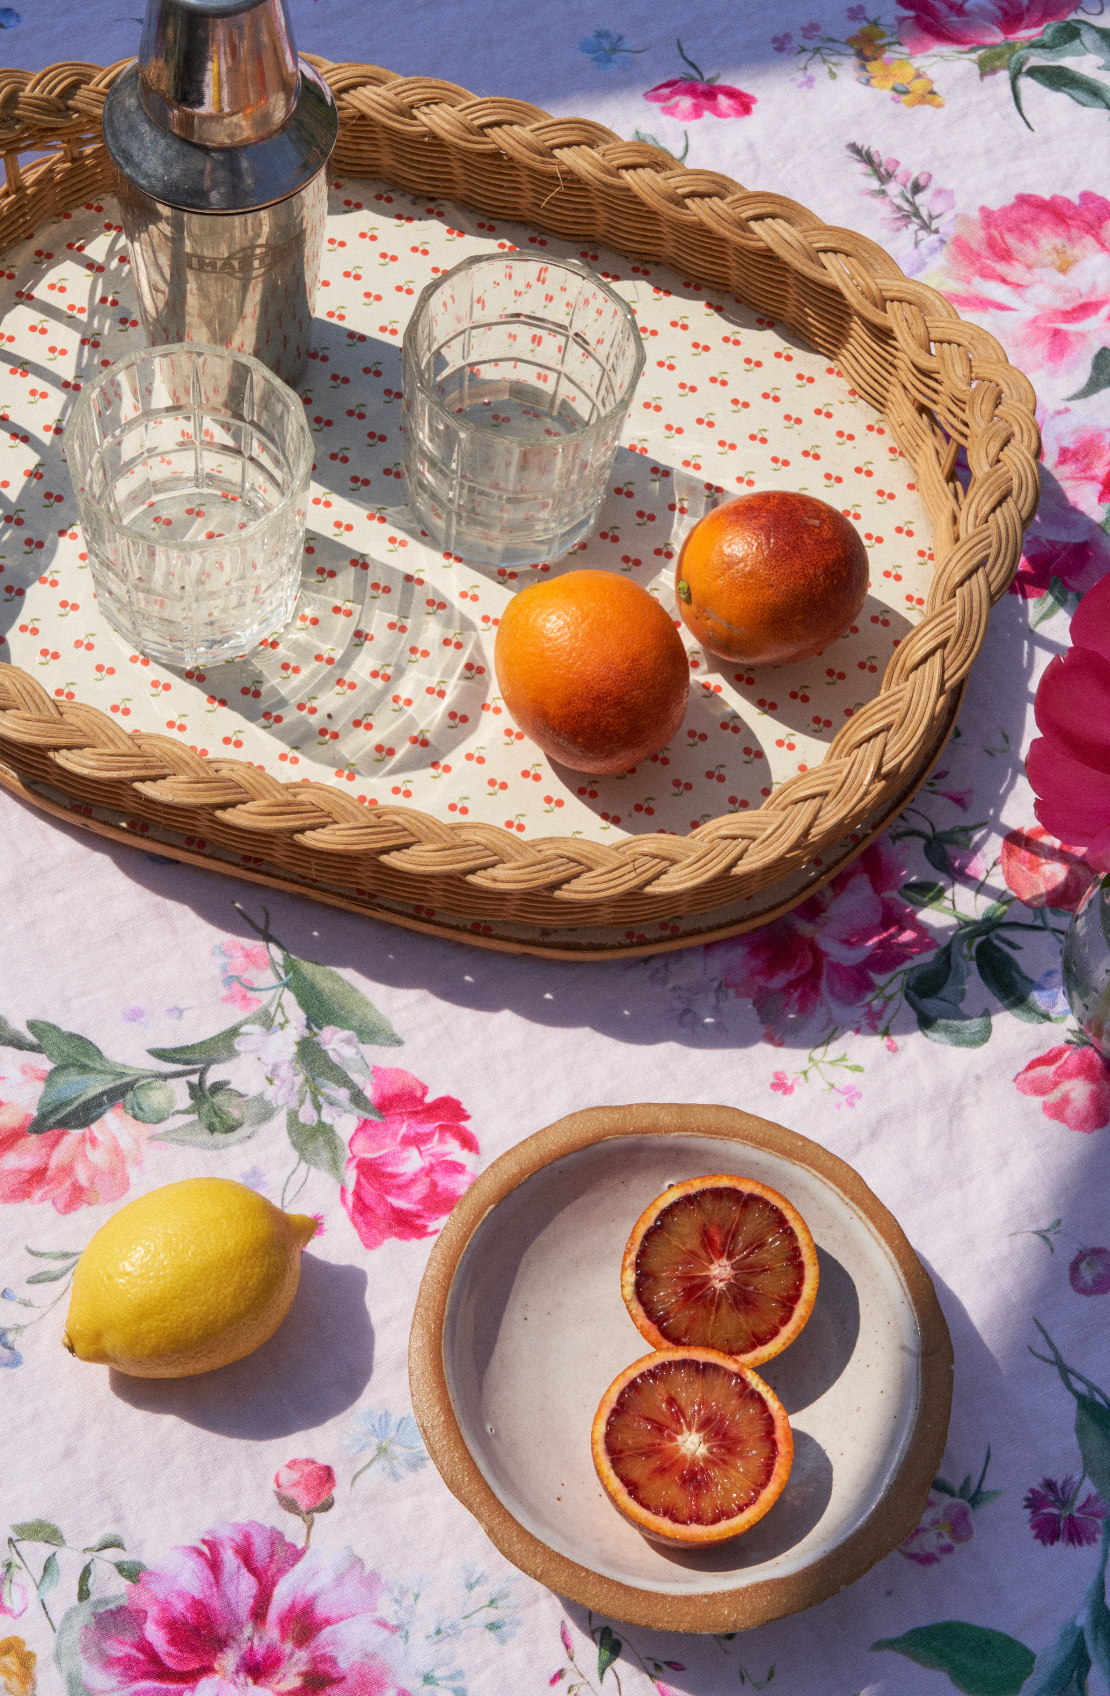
{"x": 189, "y": 1277}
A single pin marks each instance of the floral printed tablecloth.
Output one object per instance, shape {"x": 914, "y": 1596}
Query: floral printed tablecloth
{"x": 277, "y": 1526}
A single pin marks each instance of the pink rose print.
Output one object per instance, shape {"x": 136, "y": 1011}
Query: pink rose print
{"x": 241, "y": 964}
{"x": 1057, "y": 1516}
{"x": 70, "y": 1169}
{"x": 1076, "y": 564}
{"x": 976, "y": 23}
{"x": 1073, "y": 1083}
{"x": 246, "y": 1610}
{"x": 1069, "y": 763}
{"x": 1042, "y": 872}
{"x": 1043, "y": 263}
{"x": 402, "y": 1177}
{"x": 825, "y": 958}
{"x": 307, "y": 1484}
{"x": 680, "y": 97}
{"x": 1089, "y": 1272}
{"x": 13, "y": 1595}
{"x": 947, "y": 1522}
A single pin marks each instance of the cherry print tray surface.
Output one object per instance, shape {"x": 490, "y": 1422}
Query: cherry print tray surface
{"x": 384, "y": 681}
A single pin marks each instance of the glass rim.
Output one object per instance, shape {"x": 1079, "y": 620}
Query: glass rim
{"x": 296, "y": 473}
{"x": 408, "y": 356}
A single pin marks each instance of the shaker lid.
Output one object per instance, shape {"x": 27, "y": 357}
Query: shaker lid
{"x": 220, "y": 179}
{"x": 219, "y": 114}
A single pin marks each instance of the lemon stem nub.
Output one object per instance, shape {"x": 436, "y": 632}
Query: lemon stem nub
{"x": 66, "y": 1344}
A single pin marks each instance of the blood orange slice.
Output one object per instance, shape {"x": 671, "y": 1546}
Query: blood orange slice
{"x": 720, "y": 1263}
{"x": 691, "y": 1446}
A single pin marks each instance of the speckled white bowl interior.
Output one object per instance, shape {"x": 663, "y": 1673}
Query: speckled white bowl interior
{"x": 535, "y": 1331}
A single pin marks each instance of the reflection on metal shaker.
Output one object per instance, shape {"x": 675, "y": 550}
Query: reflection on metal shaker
{"x": 220, "y": 138}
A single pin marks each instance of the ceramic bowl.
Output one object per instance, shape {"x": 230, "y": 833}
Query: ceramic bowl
{"x": 520, "y": 1328}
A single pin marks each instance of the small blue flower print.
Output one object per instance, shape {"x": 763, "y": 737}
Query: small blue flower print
{"x": 8, "y": 18}
{"x": 608, "y": 51}
{"x": 396, "y": 1443}
{"x": 9, "y": 1354}
{"x": 782, "y": 43}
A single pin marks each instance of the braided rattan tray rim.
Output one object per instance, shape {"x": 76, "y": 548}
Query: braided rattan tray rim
{"x": 941, "y": 384}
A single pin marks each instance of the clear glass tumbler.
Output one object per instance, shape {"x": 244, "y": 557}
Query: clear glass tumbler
{"x": 518, "y": 375}
{"x": 191, "y": 468}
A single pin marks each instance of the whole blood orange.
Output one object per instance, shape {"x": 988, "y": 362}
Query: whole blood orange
{"x": 691, "y": 1446}
{"x": 591, "y": 667}
{"x": 770, "y": 578}
{"x": 723, "y": 1263}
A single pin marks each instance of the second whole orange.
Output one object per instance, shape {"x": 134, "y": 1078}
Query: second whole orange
{"x": 593, "y": 670}
{"x": 771, "y": 578}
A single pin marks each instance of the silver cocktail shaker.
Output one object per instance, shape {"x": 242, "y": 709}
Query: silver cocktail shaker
{"x": 220, "y": 138}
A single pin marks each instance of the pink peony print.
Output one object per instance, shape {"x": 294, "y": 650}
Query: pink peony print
{"x": 1076, "y": 564}
{"x": 246, "y": 1610}
{"x": 1042, "y": 872}
{"x": 240, "y": 965}
{"x": 1073, "y": 1083}
{"x": 1043, "y": 264}
{"x": 308, "y": 1485}
{"x": 687, "y": 99}
{"x": 70, "y": 1169}
{"x": 402, "y": 1177}
{"x": 976, "y": 23}
{"x": 1078, "y": 455}
{"x": 946, "y": 1523}
{"x": 823, "y": 960}
{"x": 1068, "y": 765}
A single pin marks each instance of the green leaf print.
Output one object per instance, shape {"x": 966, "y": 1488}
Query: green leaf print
{"x": 83, "y": 1586}
{"x": 1006, "y": 981}
{"x": 129, "y": 1570}
{"x": 11, "y": 1038}
{"x": 318, "y": 1145}
{"x": 60, "y": 1046}
{"x": 49, "y": 1579}
{"x": 1099, "y": 378}
{"x": 39, "y": 1531}
{"x": 920, "y": 892}
{"x": 1092, "y": 1433}
{"x": 214, "y": 1050}
{"x": 150, "y": 1101}
{"x": 935, "y": 991}
{"x": 74, "y": 1096}
{"x": 327, "y": 999}
{"x": 111, "y": 1540}
{"x": 52, "y": 1274}
{"x": 1065, "y": 40}
{"x": 1062, "y": 1668}
{"x": 608, "y": 1650}
{"x": 979, "y": 1661}
{"x": 322, "y": 1069}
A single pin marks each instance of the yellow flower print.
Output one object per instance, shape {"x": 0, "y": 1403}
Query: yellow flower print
{"x": 869, "y": 42}
{"x": 902, "y": 78}
{"x": 17, "y": 1667}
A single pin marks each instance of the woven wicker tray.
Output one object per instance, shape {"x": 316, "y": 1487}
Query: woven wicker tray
{"x": 942, "y": 385}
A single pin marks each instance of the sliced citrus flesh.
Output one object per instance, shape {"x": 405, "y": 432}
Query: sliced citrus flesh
{"x": 691, "y": 1446}
{"x": 720, "y": 1263}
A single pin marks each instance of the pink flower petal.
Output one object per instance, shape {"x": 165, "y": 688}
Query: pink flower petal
{"x": 1073, "y": 706}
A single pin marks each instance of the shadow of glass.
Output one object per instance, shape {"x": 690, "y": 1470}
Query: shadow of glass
{"x": 802, "y": 1373}
{"x": 799, "y": 1508}
{"x": 316, "y": 1365}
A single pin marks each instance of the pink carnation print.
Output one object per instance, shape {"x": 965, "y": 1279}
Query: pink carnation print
{"x": 1056, "y": 1515}
{"x": 306, "y": 1484}
{"x": 70, "y": 1169}
{"x": 976, "y": 23}
{"x": 1068, "y": 765}
{"x": 946, "y": 1523}
{"x": 824, "y": 959}
{"x": 687, "y": 99}
{"x": 1041, "y": 265}
{"x": 402, "y": 1175}
{"x": 246, "y": 1610}
{"x": 1042, "y": 872}
{"x": 1073, "y": 1084}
